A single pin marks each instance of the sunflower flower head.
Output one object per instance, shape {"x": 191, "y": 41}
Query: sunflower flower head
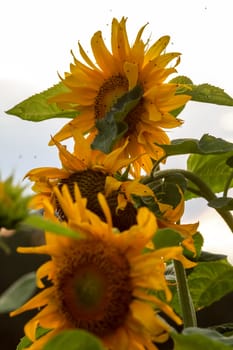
{"x": 100, "y": 281}
{"x": 13, "y": 205}
{"x": 94, "y": 88}
{"x": 93, "y": 171}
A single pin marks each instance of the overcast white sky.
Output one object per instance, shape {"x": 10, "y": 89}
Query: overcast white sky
{"x": 36, "y": 39}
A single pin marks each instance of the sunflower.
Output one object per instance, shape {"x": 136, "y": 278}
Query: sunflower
{"x": 170, "y": 218}
{"x": 93, "y": 170}
{"x": 99, "y": 282}
{"x": 95, "y": 87}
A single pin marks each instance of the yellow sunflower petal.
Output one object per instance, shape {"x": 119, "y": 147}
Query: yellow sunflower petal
{"x": 39, "y": 300}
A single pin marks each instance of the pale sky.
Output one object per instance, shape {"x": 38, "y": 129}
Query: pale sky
{"x": 36, "y": 39}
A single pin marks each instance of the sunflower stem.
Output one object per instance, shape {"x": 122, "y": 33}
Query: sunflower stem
{"x": 185, "y": 300}
{"x": 205, "y": 190}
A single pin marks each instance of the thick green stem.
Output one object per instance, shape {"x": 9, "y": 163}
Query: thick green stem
{"x": 205, "y": 190}
{"x": 227, "y": 185}
{"x": 186, "y": 303}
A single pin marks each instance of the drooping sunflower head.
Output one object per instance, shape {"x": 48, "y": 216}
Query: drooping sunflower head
{"x": 94, "y": 88}
{"x": 99, "y": 281}
{"x": 94, "y": 172}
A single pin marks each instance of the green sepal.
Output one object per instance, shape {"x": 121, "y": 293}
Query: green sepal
{"x": 74, "y": 340}
{"x": 37, "y": 108}
{"x": 25, "y": 342}
{"x": 112, "y": 127}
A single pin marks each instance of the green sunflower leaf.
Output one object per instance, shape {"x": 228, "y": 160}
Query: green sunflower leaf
{"x": 212, "y": 169}
{"x": 57, "y": 228}
{"x": 210, "y": 94}
{"x": 203, "y": 92}
{"x": 19, "y": 292}
{"x": 74, "y": 340}
{"x": 193, "y": 338}
{"x": 112, "y": 127}
{"x": 208, "y": 282}
{"x": 208, "y": 144}
{"x": 37, "y": 108}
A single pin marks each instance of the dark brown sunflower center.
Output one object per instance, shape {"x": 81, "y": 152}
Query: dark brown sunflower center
{"x": 133, "y": 118}
{"x": 93, "y": 286}
{"x": 108, "y": 94}
{"x": 90, "y": 183}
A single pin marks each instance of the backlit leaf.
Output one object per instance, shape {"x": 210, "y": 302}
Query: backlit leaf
{"x": 37, "y": 108}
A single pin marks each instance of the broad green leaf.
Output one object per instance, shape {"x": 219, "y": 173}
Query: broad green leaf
{"x": 225, "y": 203}
{"x": 212, "y": 169}
{"x": 208, "y": 144}
{"x": 37, "y": 108}
{"x": 113, "y": 126}
{"x": 210, "y": 94}
{"x": 19, "y": 292}
{"x": 60, "y": 229}
{"x": 74, "y": 340}
{"x": 201, "y": 338}
{"x": 203, "y": 92}
{"x": 210, "y": 281}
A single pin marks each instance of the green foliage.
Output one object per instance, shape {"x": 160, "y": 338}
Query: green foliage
{"x": 208, "y": 144}
{"x": 19, "y": 292}
{"x": 39, "y": 222}
{"x": 194, "y": 338}
{"x": 212, "y": 169}
{"x": 74, "y": 340}
{"x": 113, "y": 126}
{"x": 37, "y": 108}
{"x": 203, "y": 92}
{"x": 208, "y": 282}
